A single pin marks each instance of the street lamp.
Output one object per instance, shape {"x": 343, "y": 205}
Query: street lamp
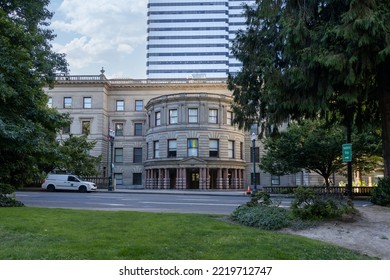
{"x": 111, "y": 139}
{"x": 253, "y": 138}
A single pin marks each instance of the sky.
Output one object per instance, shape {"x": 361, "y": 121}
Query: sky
{"x": 101, "y": 33}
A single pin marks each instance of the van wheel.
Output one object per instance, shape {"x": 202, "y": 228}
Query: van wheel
{"x": 83, "y": 189}
{"x": 51, "y": 188}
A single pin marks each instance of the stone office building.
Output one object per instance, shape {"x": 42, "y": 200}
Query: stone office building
{"x": 169, "y": 134}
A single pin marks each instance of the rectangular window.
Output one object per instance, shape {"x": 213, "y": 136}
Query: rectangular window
{"x": 213, "y": 148}
{"x": 119, "y": 178}
{"x": 67, "y": 102}
{"x": 275, "y": 180}
{"x": 86, "y": 127}
{"x": 193, "y": 115}
{"x": 137, "y": 155}
{"x": 156, "y": 149}
{"x": 50, "y": 102}
{"x": 157, "y": 119}
{"x": 87, "y": 102}
{"x": 137, "y": 178}
{"x": 173, "y": 116}
{"x": 229, "y": 118}
{"x": 118, "y": 155}
{"x": 138, "y": 129}
{"x": 139, "y": 105}
{"x": 256, "y": 154}
{"x": 230, "y": 149}
{"x": 172, "y": 148}
{"x": 192, "y": 147}
{"x": 241, "y": 150}
{"x": 120, "y": 105}
{"x": 213, "y": 116}
{"x": 119, "y": 129}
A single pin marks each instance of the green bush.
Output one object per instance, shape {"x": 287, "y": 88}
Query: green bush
{"x": 6, "y": 189}
{"x": 5, "y": 199}
{"x": 380, "y": 195}
{"x": 268, "y": 217}
{"x": 309, "y": 205}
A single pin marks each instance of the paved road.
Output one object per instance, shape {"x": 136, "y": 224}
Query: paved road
{"x": 146, "y": 201}
{"x": 138, "y": 201}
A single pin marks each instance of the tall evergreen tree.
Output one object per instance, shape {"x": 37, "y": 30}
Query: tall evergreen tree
{"x": 27, "y": 64}
{"x": 330, "y": 59}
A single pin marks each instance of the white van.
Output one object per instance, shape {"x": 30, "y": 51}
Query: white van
{"x": 67, "y": 182}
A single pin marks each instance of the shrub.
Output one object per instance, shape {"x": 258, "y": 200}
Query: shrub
{"x": 5, "y": 199}
{"x": 308, "y": 205}
{"x": 380, "y": 195}
{"x": 262, "y": 216}
{"x": 6, "y": 189}
{"x": 262, "y": 213}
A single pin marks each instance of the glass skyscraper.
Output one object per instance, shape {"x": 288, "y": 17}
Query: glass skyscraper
{"x": 192, "y": 38}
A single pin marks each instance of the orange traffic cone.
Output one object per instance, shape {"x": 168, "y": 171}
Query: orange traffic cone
{"x": 248, "y": 191}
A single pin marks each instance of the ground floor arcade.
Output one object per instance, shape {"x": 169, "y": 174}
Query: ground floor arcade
{"x": 194, "y": 178}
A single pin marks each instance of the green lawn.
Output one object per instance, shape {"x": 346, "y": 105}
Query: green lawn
{"x": 34, "y": 233}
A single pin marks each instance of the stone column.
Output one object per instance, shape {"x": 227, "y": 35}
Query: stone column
{"x": 160, "y": 179}
{"x": 146, "y": 178}
{"x": 184, "y": 178}
{"x": 219, "y": 179}
{"x": 234, "y": 179}
{"x": 207, "y": 178}
{"x": 241, "y": 179}
{"x": 166, "y": 178}
{"x": 202, "y": 178}
{"x": 226, "y": 179}
{"x": 178, "y": 178}
{"x": 155, "y": 178}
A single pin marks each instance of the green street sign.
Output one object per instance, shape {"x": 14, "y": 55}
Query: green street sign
{"x": 347, "y": 152}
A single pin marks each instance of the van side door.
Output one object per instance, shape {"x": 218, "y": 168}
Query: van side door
{"x": 72, "y": 183}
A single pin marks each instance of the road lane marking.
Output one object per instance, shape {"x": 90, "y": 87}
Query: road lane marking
{"x": 108, "y": 204}
{"x": 189, "y": 203}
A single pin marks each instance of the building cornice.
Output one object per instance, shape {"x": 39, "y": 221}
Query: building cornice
{"x": 142, "y": 83}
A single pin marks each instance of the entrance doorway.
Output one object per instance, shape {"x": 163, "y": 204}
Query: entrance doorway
{"x": 172, "y": 178}
{"x": 213, "y": 173}
{"x": 193, "y": 178}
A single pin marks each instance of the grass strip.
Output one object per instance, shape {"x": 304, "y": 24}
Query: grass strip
{"x": 63, "y": 234}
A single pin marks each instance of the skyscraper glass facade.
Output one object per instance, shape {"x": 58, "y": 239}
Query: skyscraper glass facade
{"x": 192, "y": 38}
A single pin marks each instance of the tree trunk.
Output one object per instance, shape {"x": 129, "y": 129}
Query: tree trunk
{"x": 327, "y": 184}
{"x": 384, "y": 105}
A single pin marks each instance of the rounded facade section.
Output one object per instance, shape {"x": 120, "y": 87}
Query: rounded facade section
{"x": 192, "y": 143}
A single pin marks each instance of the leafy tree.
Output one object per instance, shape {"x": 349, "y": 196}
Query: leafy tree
{"x": 27, "y": 63}
{"x": 316, "y": 147}
{"x": 328, "y": 59}
{"x": 310, "y": 146}
{"x": 75, "y": 157}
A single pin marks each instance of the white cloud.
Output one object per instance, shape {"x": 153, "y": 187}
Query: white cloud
{"x": 99, "y": 31}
